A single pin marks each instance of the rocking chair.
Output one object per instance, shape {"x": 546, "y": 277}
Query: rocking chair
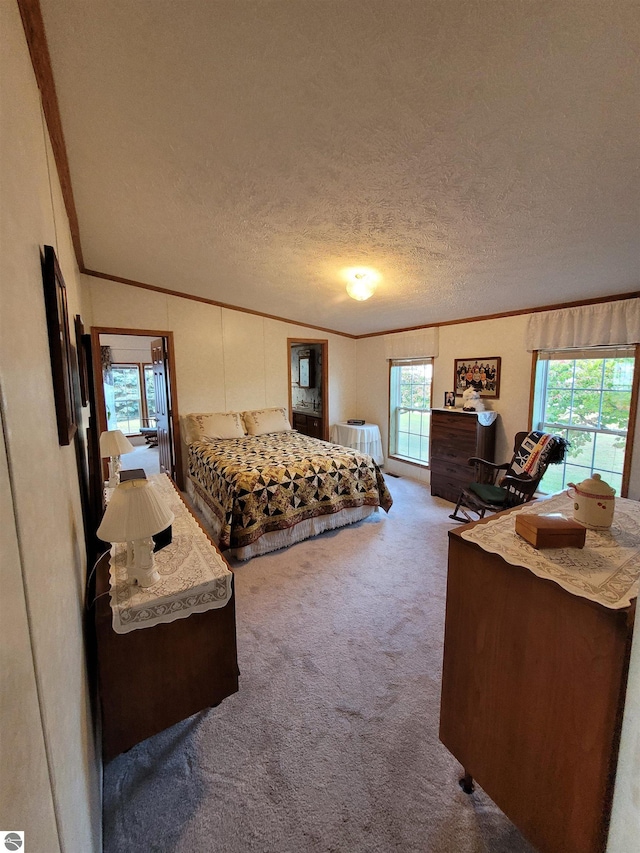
{"x": 533, "y": 453}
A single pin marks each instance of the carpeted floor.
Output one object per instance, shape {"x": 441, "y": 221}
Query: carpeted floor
{"x": 143, "y": 456}
{"x": 331, "y": 744}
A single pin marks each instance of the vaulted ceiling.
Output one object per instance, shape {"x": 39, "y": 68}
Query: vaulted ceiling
{"x": 480, "y": 155}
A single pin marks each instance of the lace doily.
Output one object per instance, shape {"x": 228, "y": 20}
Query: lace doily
{"x": 606, "y": 570}
{"x": 194, "y": 577}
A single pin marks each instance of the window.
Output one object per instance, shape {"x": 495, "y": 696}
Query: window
{"x": 129, "y": 394}
{"x": 126, "y": 397}
{"x": 410, "y": 409}
{"x": 585, "y": 395}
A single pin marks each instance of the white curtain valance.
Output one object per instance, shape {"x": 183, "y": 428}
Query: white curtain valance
{"x": 422, "y": 343}
{"x": 608, "y": 323}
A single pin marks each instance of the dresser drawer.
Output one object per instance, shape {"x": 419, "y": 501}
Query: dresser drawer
{"x": 458, "y": 422}
{"x": 446, "y": 450}
{"x": 446, "y": 487}
{"x": 450, "y": 468}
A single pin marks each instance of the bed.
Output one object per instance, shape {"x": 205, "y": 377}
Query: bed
{"x": 261, "y": 485}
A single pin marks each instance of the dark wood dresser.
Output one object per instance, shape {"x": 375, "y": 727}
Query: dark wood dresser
{"x": 456, "y": 436}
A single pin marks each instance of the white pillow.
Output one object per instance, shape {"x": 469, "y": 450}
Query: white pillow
{"x": 213, "y": 425}
{"x": 261, "y": 421}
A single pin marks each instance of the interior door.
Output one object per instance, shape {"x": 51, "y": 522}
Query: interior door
{"x": 163, "y": 406}
{"x": 317, "y": 378}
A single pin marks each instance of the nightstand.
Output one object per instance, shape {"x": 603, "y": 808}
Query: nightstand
{"x": 362, "y": 437}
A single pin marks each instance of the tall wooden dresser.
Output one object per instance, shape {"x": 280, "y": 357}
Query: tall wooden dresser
{"x": 456, "y": 436}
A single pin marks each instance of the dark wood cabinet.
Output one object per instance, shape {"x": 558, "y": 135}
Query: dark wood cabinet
{"x": 456, "y": 436}
{"x": 308, "y": 424}
{"x": 151, "y": 678}
{"x": 533, "y": 689}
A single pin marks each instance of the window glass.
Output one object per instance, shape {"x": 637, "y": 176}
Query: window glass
{"x": 410, "y": 409}
{"x": 126, "y": 397}
{"x": 586, "y": 397}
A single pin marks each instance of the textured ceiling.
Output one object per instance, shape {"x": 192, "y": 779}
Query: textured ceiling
{"x": 481, "y": 155}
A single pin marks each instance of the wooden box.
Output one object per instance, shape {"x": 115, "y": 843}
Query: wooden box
{"x": 550, "y": 530}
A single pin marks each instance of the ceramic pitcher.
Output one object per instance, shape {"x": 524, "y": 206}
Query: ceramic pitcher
{"x": 593, "y": 502}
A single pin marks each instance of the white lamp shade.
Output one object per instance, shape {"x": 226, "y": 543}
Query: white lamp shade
{"x": 113, "y": 442}
{"x": 135, "y": 511}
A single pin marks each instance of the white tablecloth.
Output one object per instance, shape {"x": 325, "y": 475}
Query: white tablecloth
{"x": 194, "y": 577}
{"x": 606, "y": 570}
{"x": 365, "y": 438}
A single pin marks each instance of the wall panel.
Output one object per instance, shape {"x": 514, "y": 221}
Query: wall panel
{"x": 44, "y": 477}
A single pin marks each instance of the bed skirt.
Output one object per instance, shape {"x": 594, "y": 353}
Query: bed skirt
{"x": 277, "y": 539}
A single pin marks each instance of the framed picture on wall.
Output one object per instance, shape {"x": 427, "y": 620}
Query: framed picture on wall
{"x": 483, "y": 374}
{"x": 83, "y": 374}
{"x": 55, "y": 301}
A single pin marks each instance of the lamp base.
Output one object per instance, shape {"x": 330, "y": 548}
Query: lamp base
{"x": 140, "y": 566}
{"x": 145, "y": 577}
{"x": 115, "y": 464}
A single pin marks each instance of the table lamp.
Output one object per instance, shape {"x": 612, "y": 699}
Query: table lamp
{"x": 113, "y": 442}
{"x": 133, "y": 515}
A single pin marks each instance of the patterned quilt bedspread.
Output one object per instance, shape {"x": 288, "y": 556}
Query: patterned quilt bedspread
{"x": 258, "y": 484}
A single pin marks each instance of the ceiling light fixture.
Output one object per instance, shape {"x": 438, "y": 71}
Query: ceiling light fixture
{"x": 362, "y": 283}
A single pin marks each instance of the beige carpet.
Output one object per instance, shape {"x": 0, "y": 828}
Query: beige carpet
{"x": 331, "y": 744}
{"x": 144, "y": 456}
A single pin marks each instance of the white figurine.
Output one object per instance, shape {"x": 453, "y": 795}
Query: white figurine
{"x": 471, "y": 400}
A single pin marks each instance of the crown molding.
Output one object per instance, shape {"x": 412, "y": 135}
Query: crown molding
{"x": 33, "y": 25}
{"x": 132, "y": 283}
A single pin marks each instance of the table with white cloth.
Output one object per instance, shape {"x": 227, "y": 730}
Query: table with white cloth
{"x": 167, "y": 651}
{"x": 363, "y": 437}
{"x": 536, "y": 652}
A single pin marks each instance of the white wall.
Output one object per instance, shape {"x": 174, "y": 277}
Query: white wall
{"x": 483, "y": 338}
{"x": 231, "y": 360}
{"x": 625, "y": 818}
{"x": 128, "y": 349}
{"x": 500, "y": 337}
{"x": 26, "y": 800}
{"x": 225, "y": 360}
{"x": 50, "y": 770}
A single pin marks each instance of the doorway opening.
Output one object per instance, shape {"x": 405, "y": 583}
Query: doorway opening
{"x": 134, "y": 378}
{"x": 308, "y": 386}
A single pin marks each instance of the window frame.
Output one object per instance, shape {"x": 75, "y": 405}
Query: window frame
{"x": 536, "y": 403}
{"x": 144, "y": 366}
{"x": 391, "y": 442}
